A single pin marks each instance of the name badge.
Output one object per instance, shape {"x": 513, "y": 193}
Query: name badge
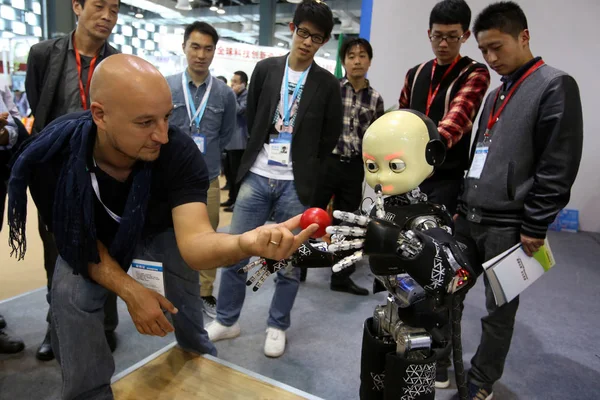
{"x": 481, "y": 153}
{"x": 200, "y": 140}
{"x": 280, "y": 149}
{"x": 148, "y": 274}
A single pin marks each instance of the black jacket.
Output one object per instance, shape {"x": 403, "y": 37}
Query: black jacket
{"x": 318, "y": 123}
{"x": 45, "y": 66}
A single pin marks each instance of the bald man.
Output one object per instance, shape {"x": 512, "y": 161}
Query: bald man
{"x": 127, "y": 186}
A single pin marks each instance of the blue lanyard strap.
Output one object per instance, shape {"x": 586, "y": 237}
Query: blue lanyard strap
{"x": 194, "y": 114}
{"x": 287, "y": 107}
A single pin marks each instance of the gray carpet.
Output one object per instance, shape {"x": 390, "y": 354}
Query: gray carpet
{"x": 554, "y": 353}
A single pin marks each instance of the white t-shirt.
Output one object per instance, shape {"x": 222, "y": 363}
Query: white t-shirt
{"x": 261, "y": 166}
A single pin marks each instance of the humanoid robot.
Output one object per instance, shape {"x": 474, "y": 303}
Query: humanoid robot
{"x": 412, "y": 254}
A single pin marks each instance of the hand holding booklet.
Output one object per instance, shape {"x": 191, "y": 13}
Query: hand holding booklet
{"x": 511, "y": 272}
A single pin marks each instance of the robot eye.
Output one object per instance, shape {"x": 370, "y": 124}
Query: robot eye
{"x": 371, "y": 166}
{"x": 397, "y": 165}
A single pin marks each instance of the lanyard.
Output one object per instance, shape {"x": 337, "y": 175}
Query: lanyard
{"x": 430, "y": 95}
{"x": 82, "y": 93}
{"x": 494, "y": 116}
{"x": 97, "y": 191}
{"x": 287, "y": 107}
{"x": 195, "y": 114}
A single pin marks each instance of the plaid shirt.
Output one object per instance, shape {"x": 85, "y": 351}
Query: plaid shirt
{"x": 361, "y": 109}
{"x": 462, "y": 109}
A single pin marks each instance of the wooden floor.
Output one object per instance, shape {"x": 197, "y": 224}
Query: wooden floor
{"x": 181, "y": 375}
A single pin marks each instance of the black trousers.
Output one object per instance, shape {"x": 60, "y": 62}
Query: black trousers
{"x": 233, "y": 159}
{"x": 342, "y": 179}
{"x": 111, "y": 316}
{"x": 444, "y": 192}
{"x": 487, "y": 365}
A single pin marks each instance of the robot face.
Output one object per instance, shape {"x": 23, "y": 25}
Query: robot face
{"x": 394, "y": 150}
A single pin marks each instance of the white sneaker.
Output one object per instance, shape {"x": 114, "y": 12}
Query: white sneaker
{"x": 217, "y": 331}
{"x": 275, "y": 342}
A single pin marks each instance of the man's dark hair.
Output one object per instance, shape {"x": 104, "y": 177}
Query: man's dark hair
{"x": 350, "y": 43}
{"x": 201, "y": 27}
{"x": 450, "y": 12}
{"x": 222, "y": 79}
{"x": 505, "y": 16}
{"x": 316, "y": 12}
{"x": 243, "y": 76}
{"x": 82, "y": 3}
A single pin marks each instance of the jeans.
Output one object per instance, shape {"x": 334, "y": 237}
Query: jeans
{"x": 78, "y": 319}
{"x": 257, "y": 198}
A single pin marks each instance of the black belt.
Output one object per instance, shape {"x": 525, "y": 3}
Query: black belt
{"x": 347, "y": 159}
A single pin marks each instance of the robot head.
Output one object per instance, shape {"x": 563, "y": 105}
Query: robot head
{"x": 400, "y": 150}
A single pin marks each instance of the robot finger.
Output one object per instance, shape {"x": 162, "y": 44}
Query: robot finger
{"x": 255, "y": 275}
{"x": 352, "y": 218}
{"x": 346, "y": 231}
{"x": 346, "y": 245}
{"x": 337, "y": 238}
{"x": 348, "y": 261}
{"x": 261, "y": 281}
{"x": 249, "y": 266}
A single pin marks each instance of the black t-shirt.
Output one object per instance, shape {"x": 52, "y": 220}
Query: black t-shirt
{"x": 179, "y": 176}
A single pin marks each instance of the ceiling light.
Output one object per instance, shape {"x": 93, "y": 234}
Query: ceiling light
{"x": 214, "y": 6}
{"x": 294, "y": 1}
{"x": 139, "y": 15}
{"x": 327, "y": 54}
{"x": 183, "y": 5}
{"x": 280, "y": 44}
{"x": 221, "y": 10}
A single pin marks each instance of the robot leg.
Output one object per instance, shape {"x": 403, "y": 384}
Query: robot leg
{"x": 373, "y": 363}
{"x": 409, "y": 378}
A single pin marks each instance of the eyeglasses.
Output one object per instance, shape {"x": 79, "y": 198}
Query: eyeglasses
{"x": 437, "y": 39}
{"x": 304, "y": 34}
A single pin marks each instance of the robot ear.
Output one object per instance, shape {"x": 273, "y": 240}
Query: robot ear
{"x": 435, "y": 153}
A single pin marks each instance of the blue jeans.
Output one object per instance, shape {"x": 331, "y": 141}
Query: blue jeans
{"x": 78, "y": 319}
{"x": 257, "y": 198}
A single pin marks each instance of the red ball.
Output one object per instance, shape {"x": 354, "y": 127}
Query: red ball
{"x": 316, "y": 216}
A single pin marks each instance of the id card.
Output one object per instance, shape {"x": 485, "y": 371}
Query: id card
{"x": 149, "y": 274}
{"x": 481, "y": 152}
{"x": 279, "y": 151}
{"x": 200, "y": 141}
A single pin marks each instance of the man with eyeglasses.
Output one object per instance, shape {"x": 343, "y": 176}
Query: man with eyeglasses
{"x": 448, "y": 89}
{"x": 294, "y": 115}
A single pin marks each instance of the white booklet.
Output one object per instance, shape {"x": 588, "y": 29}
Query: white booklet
{"x": 513, "y": 271}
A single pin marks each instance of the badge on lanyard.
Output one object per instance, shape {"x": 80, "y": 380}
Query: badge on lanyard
{"x": 196, "y": 115}
{"x": 280, "y": 149}
{"x": 199, "y": 139}
{"x": 481, "y": 152}
{"x": 482, "y": 149}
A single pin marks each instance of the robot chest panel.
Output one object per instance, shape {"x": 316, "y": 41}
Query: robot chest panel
{"x": 419, "y": 216}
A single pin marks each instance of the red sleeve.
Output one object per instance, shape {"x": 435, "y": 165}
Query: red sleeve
{"x": 404, "y": 101}
{"x": 464, "y": 107}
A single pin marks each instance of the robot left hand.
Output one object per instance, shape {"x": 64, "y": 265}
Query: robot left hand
{"x": 311, "y": 254}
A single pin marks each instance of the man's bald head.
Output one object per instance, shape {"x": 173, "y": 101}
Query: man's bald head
{"x": 131, "y": 105}
{"x": 122, "y": 74}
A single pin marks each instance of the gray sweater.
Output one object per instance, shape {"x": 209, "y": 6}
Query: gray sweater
{"x": 533, "y": 156}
